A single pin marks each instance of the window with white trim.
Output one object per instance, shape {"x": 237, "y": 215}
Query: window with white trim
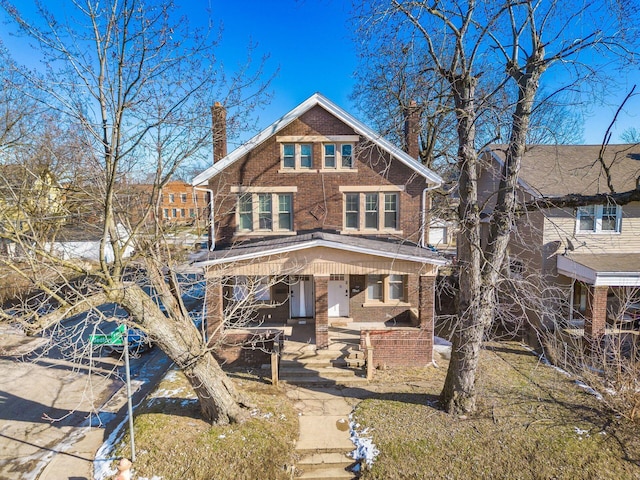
{"x": 183, "y": 197}
{"x": 371, "y": 211}
{"x": 337, "y": 156}
{"x": 599, "y": 219}
{"x": 386, "y": 288}
{"x": 297, "y": 156}
{"x": 265, "y": 212}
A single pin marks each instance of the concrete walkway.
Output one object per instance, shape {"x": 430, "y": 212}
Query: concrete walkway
{"x": 324, "y": 438}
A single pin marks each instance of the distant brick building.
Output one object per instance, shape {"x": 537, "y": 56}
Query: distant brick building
{"x": 180, "y": 203}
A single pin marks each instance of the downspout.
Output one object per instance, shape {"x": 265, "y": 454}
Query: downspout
{"x": 423, "y": 213}
{"x": 212, "y": 230}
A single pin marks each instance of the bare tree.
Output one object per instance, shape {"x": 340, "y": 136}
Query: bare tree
{"x": 136, "y": 83}
{"x": 492, "y": 54}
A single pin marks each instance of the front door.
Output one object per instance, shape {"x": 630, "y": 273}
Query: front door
{"x": 301, "y": 295}
{"x": 338, "y": 296}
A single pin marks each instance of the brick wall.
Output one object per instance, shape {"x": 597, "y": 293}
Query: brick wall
{"x": 596, "y": 313}
{"x": 185, "y": 208}
{"x": 317, "y": 204}
{"x": 399, "y": 347}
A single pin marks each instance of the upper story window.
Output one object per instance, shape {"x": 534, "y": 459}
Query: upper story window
{"x": 297, "y": 156}
{"x": 172, "y": 198}
{"x": 371, "y": 211}
{"x": 337, "y": 156}
{"x": 265, "y": 212}
{"x": 183, "y": 197}
{"x": 599, "y": 219}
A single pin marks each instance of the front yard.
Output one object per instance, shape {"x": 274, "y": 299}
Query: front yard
{"x": 534, "y": 422}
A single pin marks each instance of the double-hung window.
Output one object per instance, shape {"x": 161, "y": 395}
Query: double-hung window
{"x": 371, "y": 211}
{"x": 265, "y": 212}
{"x": 297, "y": 156}
{"x": 337, "y": 156}
{"x": 599, "y": 219}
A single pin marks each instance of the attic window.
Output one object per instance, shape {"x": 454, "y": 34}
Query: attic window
{"x": 297, "y": 156}
{"x": 337, "y": 156}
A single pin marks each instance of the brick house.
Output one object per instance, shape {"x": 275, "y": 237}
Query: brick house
{"x": 180, "y": 203}
{"x": 322, "y": 221}
{"x": 585, "y": 261}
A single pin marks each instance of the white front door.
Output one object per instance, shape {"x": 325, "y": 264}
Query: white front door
{"x": 338, "y": 296}
{"x": 301, "y": 297}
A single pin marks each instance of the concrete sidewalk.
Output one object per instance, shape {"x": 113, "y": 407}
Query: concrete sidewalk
{"x": 324, "y": 439}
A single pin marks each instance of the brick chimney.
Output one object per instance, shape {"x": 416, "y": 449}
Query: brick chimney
{"x": 412, "y": 129}
{"x": 219, "y": 125}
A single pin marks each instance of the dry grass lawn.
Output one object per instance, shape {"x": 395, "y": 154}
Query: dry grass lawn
{"x": 534, "y": 422}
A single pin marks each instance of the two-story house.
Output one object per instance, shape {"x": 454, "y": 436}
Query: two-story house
{"x": 328, "y": 217}
{"x": 584, "y": 262}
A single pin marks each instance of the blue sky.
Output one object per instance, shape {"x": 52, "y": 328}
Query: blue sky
{"x": 311, "y": 43}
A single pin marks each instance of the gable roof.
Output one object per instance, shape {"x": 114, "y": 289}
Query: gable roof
{"x": 332, "y": 108}
{"x": 557, "y": 170}
{"x": 368, "y": 246}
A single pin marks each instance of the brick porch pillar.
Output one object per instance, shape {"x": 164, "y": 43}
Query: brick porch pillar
{"x": 426, "y": 302}
{"x": 215, "y": 308}
{"x": 321, "y": 289}
{"x": 596, "y": 314}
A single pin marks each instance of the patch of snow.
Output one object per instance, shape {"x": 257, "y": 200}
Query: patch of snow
{"x": 581, "y": 431}
{"x": 441, "y": 341}
{"x": 365, "y": 450}
{"x": 588, "y": 389}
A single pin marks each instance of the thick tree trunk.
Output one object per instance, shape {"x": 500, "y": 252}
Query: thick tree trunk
{"x": 458, "y": 395}
{"x": 178, "y": 337}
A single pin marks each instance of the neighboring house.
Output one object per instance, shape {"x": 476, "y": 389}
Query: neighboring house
{"x": 84, "y": 243}
{"x": 587, "y": 259}
{"x": 332, "y": 221}
{"x": 180, "y": 203}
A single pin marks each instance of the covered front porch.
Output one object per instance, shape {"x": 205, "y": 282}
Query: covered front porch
{"x": 605, "y": 292}
{"x": 320, "y": 280}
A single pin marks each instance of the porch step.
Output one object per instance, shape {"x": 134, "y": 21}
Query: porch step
{"x": 323, "y": 465}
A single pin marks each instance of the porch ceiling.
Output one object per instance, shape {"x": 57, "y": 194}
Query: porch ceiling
{"x": 602, "y": 269}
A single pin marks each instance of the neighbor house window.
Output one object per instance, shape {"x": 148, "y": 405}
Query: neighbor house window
{"x": 371, "y": 211}
{"x": 386, "y": 288}
{"x": 599, "y": 219}
{"x": 183, "y": 197}
{"x": 166, "y": 213}
{"x": 172, "y": 198}
{"x": 256, "y": 212}
{"x": 174, "y": 212}
{"x": 297, "y": 156}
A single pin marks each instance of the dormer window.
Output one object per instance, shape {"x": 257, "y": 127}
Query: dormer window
{"x": 599, "y": 219}
{"x": 297, "y": 156}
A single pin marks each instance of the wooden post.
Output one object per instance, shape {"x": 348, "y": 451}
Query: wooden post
{"x": 367, "y": 343}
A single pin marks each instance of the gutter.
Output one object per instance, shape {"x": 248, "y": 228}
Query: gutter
{"x": 212, "y": 230}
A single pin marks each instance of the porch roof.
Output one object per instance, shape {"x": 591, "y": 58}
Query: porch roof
{"x": 264, "y": 248}
{"x": 602, "y": 269}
